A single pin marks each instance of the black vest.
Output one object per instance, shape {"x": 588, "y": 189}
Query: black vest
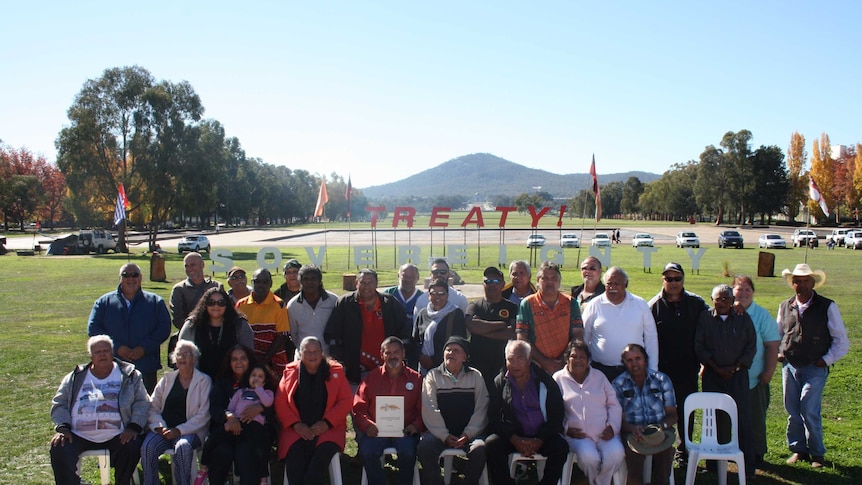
{"x": 806, "y": 337}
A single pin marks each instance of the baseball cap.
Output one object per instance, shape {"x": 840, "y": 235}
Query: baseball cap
{"x": 673, "y": 267}
{"x": 493, "y": 272}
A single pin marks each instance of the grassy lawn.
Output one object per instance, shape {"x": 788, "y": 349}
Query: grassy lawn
{"x": 46, "y": 302}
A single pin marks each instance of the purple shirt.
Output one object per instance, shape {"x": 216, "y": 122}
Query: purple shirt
{"x": 525, "y": 404}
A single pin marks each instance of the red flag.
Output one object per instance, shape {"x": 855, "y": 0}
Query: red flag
{"x": 347, "y": 194}
{"x": 322, "y": 199}
{"x": 596, "y": 189}
{"x": 816, "y": 196}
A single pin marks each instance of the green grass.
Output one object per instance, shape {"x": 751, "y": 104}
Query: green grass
{"x": 46, "y": 302}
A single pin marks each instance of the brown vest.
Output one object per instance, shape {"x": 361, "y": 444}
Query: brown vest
{"x": 806, "y": 337}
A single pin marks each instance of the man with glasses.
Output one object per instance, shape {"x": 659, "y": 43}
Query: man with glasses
{"x": 676, "y": 312}
{"x": 725, "y": 343}
{"x": 291, "y": 286}
{"x": 519, "y": 286}
{"x": 137, "y": 321}
{"x": 268, "y": 320}
{"x": 440, "y": 269}
{"x": 615, "y": 319}
{"x": 591, "y": 273}
{"x": 548, "y": 319}
{"x": 491, "y": 322}
{"x": 237, "y": 281}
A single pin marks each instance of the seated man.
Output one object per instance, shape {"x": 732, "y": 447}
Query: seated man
{"x": 455, "y": 411}
{"x": 647, "y": 398}
{"x": 526, "y": 416}
{"x": 393, "y": 378}
{"x": 101, "y": 405}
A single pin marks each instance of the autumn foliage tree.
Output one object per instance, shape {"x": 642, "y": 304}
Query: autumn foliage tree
{"x": 823, "y": 174}
{"x": 30, "y": 187}
{"x": 797, "y": 157}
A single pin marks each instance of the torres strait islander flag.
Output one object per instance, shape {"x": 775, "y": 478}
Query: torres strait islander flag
{"x": 816, "y": 196}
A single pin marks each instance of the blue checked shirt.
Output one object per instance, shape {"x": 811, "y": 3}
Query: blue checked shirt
{"x": 643, "y": 406}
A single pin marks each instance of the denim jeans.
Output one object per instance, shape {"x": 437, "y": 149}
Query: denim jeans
{"x": 371, "y": 449}
{"x": 803, "y": 393}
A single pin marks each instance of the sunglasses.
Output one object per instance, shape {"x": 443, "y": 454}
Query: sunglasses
{"x": 437, "y": 293}
{"x": 440, "y": 272}
{"x": 130, "y": 274}
{"x": 237, "y": 277}
{"x": 221, "y": 303}
{"x": 721, "y": 298}
{"x": 670, "y": 279}
{"x": 495, "y": 281}
{"x": 261, "y": 281}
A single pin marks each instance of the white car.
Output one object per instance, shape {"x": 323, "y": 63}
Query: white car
{"x": 570, "y": 241}
{"x": 771, "y": 241}
{"x": 535, "y": 241}
{"x": 196, "y": 242}
{"x": 853, "y": 239}
{"x": 686, "y": 239}
{"x": 601, "y": 239}
{"x": 642, "y": 239}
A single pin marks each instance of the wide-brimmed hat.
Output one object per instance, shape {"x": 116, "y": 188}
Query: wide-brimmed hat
{"x": 803, "y": 269}
{"x": 655, "y": 440}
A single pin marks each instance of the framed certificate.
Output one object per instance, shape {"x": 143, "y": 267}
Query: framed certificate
{"x": 390, "y": 416}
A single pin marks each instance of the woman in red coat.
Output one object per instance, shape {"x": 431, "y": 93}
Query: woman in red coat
{"x": 312, "y": 403}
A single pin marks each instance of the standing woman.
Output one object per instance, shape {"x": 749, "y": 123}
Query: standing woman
{"x": 763, "y": 365}
{"x": 312, "y": 403}
{"x": 593, "y": 415}
{"x": 435, "y": 323}
{"x": 179, "y": 416}
{"x": 215, "y": 327}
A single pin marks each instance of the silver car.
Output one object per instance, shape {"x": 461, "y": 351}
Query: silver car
{"x": 771, "y": 241}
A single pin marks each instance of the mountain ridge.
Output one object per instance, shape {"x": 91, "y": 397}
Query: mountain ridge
{"x": 491, "y": 175}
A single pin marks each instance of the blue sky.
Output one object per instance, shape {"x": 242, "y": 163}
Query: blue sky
{"x": 382, "y": 90}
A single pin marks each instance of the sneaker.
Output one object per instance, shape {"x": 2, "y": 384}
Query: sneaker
{"x": 817, "y": 461}
{"x": 798, "y": 457}
{"x": 202, "y": 475}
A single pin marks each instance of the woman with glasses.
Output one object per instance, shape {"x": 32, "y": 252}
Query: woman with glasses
{"x": 179, "y": 416}
{"x": 435, "y": 323}
{"x": 215, "y": 327}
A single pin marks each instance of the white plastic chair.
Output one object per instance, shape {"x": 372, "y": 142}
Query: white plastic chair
{"x": 709, "y": 448}
{"x": 447, "y": 456}
{"x": 334, "y": 471}
{"x": 620, "y": 475}
{"x": 393, "y": 451}
{"x": 104, "y": 457}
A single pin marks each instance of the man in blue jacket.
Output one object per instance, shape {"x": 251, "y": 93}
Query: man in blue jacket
{"x": 137, "y": 321}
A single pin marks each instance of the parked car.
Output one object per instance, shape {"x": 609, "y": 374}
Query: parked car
{"x": 687, "y": 239}
{"x": 570, "y": 241}
{"x": 642, "y": 239}
{"x": 195, "y": 242}
{"x": 730, "y": 238}
{"x": 771, "y": 241}
{"x": 98, "y": 240}
{"x": 601, "y": 239}
{"x": 804, "y": 237}
{"x": 535, "y": 241}
{"x": 853, "y": 239}
{"x": 837, "y": 236}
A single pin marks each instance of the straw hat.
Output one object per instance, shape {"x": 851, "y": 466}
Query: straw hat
{"x": 655, "y": 440}
{"x": 803, "y": 269}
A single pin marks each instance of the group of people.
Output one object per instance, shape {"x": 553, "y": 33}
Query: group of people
{"x": 599, "y": 372}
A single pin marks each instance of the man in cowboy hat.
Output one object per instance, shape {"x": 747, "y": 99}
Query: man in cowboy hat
{"x": 812, "y": 338}
{"x": 649, "y": 406}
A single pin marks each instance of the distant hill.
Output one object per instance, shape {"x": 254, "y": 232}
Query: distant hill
{"x": 491, "y": 175}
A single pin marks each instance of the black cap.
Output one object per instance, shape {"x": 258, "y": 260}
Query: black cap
{"x": 493, "y": 271}
{"x": 673, "y": 267}
{"x": 459, "y": 341}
